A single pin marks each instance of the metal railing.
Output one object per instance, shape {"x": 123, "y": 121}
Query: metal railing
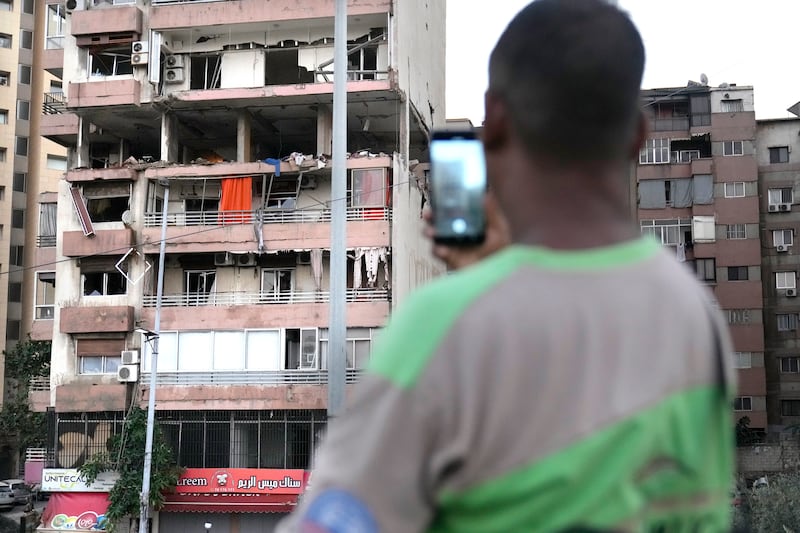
{"x": 259, "y": 298}
{"x": 670, "y": 124}
{"x": 54, "y": 103}
{"x": 39, "y": 384}
{"x": 270, "y": 216}
{"x": 45, "y": 241}
{"x": 37, "y": 454}
{"x": 249, "y": 377}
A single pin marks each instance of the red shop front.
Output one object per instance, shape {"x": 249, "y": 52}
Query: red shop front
{"x": 232, "y": 500}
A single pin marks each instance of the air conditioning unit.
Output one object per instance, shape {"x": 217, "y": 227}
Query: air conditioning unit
{"x": 246, "y": 260}
{"x": 130, "y": 357}
{"x": 782, "y": 247}
{"x": 175, "y": 61}
{"x": 174, "y": 75}
{"x": 140, "y": 47}
{"x": 128, "y": 373}
{"x": 304, "y": 258}
{"x": 140, "y": 59}
{"x": 791, "y": 293}
{"x": 773, "y": 208}
{"x": 223, "y": 259}
{"x": 72, "y": 5}
{"x": 785, "y": 207}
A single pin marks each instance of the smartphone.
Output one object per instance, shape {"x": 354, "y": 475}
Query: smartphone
{"x": 457, "y": 188}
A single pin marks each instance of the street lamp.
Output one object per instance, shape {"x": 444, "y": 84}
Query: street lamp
{"x": 207, "y": 525}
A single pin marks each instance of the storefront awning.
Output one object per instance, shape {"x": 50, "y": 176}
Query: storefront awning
{"x": 230, "y": 503}
{"x": 75, "y": 510}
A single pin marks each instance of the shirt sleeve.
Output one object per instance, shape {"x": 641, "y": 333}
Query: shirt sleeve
{"x": 371, "y": 473}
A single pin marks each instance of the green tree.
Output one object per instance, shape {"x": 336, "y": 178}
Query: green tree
{"x": 28, "y": 359}
{"x": 776, "y": 507}
{"x": 126, "y": 457}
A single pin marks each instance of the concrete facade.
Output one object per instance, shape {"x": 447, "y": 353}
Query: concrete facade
{"x": 210, "y": 102}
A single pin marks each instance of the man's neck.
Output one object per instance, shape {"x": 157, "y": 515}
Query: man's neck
{"x": 573, "y": 209}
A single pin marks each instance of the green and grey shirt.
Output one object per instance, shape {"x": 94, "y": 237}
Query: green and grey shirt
{"x": 536, "y": 391}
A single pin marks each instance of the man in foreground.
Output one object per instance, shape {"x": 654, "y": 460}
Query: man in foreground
{"x": 577, "y": 378}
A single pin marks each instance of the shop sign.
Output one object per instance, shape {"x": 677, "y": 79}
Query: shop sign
{"x": 241, "y": 481}
{"x": 70, "y": 480}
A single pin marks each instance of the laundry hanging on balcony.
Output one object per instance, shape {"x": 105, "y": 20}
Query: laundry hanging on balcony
{"x": 236, "y": 203}
{"x": 316, "y": 266}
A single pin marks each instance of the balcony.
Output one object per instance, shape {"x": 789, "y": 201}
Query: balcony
{"x": 670, "y": 124}
{"x": 105, "y": 319}
{"x": 280, "y": 377}
{"x": 277, "y": 216}
{"x": 104, "y": 91}
{"x": 260, "y": 298}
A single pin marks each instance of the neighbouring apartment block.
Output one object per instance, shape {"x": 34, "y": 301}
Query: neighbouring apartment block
{"x": 31, "y": 167}
{"x": 698, "y": 193}
{"x": 222, "y": 110}
{"x": 779, "y": 170}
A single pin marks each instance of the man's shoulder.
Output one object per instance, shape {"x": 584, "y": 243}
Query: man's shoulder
{"x": 421, "y": 322}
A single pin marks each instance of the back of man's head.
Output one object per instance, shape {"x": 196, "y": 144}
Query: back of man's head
{"x": 570, "y": 72}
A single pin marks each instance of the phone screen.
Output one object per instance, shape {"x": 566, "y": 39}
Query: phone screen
{"x": 458, "y": 188}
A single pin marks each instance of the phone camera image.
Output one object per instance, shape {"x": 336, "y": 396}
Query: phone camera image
{"x": 458, "y": 186}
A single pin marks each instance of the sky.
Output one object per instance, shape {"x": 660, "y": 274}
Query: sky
{"x": 747, "y": 42}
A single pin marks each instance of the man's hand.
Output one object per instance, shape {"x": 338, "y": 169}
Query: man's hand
{"x": 497, "y": 237}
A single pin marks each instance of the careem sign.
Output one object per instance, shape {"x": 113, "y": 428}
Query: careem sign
{"x": 241, "y": 481}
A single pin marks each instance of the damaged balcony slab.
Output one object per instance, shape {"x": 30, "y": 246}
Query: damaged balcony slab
{"x": 105, "y": 319}
{"x": 103, "y": 242}
{"x": 97, "y": 174}
{"x": 90, "y": 397}
{"x": 224, "y": 170}
{"x": 101, "y": 93}
{"x": 59, "y": 125}
{"x": 201, "y": 14}
{"x": 240, "y": 97}
{"x": 116, "y": 20}
{"x": 301, "y": 235}
{"x": 359, "y": 314}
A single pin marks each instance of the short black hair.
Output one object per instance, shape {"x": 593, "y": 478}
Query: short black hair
{"x": 570, "y": 72}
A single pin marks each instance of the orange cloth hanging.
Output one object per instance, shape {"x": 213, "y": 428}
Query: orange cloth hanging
{"x": 236, "y": 204}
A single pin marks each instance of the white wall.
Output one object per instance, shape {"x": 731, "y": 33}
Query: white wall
{"x": 418, "y": 40}
{"x": 744, "y": 93}
{"x": 412, "y": 262}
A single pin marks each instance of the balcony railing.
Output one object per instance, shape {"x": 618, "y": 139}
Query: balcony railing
{"x": 278, "y": 377}
{"x": 39, "y": 383}
{"x": 271, "y": 216}
{"x": 670, "y": 124}
{"x": 45, "y": 241}
{"x": 54, "y": 103}
{"x": 257, "y": 298}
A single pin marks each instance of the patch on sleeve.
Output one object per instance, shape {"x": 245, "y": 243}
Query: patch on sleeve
{"x": 338, "y": 511}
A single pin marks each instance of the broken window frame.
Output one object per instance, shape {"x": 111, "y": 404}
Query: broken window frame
{"x": 109, "y": 61}
{"x": 94, "y": 192}
{"x": 111, "y": 281}
{"x": 296, "y": 357}
{"x": 44, "y": 299}
{"x": 280, "y": 292}
{"x": 212, "y": 73}
{"x": 355, "y": 189}
{"x": 199, "y": 285}
{"x": 282, "y": 192}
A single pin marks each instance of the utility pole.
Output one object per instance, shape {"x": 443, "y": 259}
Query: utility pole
{"x": 337, "y": 329}
{"x": 144, "y": 510}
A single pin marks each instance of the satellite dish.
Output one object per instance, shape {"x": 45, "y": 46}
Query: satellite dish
{"x": 127, "y": 218}
{"x": 724, "y": 85}
{"x": 703, "y": 79}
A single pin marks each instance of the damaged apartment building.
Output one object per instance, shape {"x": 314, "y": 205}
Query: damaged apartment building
{"x": 223, "y": 108}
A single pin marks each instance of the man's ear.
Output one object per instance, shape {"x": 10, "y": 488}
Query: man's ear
{"x": 496, "y": 123}
{"x": 642, "y": 130}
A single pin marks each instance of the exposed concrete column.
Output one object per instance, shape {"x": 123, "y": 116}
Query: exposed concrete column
{"x": 169, "y": 137}
{"x": 324, "y": 130}
{"x": 244, "y": 145}
{"x": 82, "y": 148}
